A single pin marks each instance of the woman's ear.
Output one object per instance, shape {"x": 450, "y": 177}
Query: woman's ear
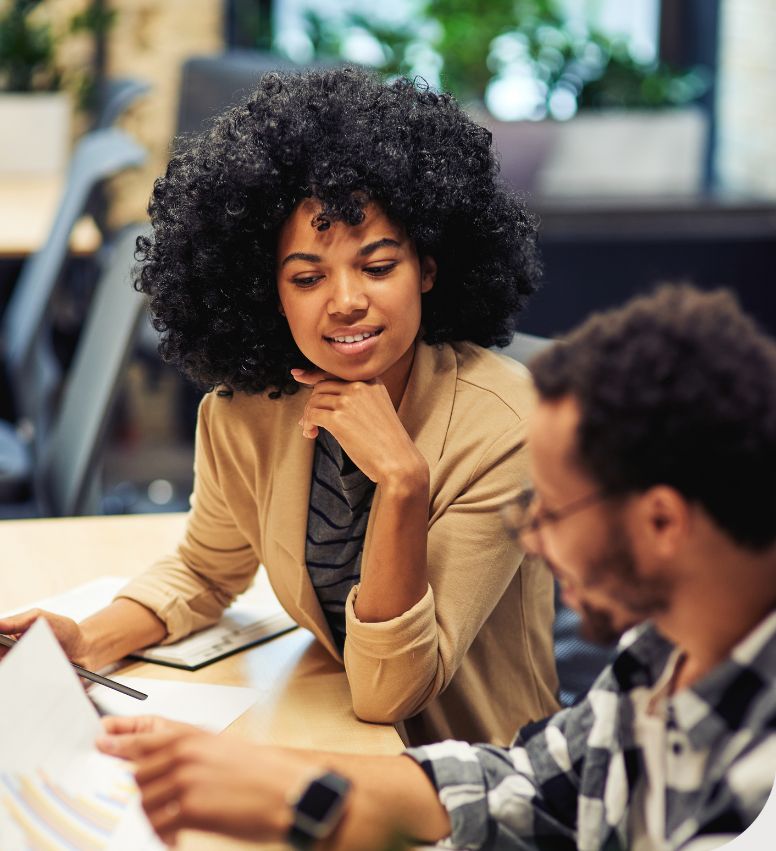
{"x": 428, "y": 272}
{"x": 280, "y": 309}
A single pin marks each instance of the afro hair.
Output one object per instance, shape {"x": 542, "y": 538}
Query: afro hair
{"x": 345, "y": 138}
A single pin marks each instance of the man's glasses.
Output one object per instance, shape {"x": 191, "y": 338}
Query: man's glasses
{"x": 520, "y": 515}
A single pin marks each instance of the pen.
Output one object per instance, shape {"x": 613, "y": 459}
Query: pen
{"x": 90, "y": 675}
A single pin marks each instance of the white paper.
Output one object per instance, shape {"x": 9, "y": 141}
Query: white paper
{"x": 46, "y": 719}
{"x": 79, "y": 602}
{"x": 207, "y": 706}
{"x": 56, "y": 790}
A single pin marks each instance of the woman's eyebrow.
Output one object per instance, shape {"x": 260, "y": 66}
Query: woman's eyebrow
{"x": 380, "y": 243}
{"x": 300, "y": 255}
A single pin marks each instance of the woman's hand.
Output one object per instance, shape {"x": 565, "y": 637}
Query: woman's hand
{"x": 190, "y": 779}
{"x": 102, "y": 638}
{"x": 67, "y": 632}
{"x": 361, "y": 417}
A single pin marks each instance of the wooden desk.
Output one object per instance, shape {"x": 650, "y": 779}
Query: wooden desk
{"x": 27, "y": 207}
{"x": 304, "y": 697}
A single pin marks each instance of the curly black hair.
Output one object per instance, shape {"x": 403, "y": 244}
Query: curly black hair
{"x": 676, "y": 388}
{"x": 344, "y": 138}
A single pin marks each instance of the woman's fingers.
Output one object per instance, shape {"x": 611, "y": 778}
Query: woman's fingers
{"x": 66, "y": 630}
{"x": 310, "y": 376}
{"x": 20, "y": 623}
{"x": 316, "y": 403}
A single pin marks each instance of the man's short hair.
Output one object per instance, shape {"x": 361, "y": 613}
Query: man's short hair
{"x": 676, "y": 388}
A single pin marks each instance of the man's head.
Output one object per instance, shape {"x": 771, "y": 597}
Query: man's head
{"x": 660, "y": 419}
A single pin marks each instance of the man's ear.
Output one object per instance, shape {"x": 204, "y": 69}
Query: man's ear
{"x": 664, "y": 516}
{"x": 428, "y": 272}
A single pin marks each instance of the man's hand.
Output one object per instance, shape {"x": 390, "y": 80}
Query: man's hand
{"x": 361, "y": 417}
{"x": 190, "y": 779}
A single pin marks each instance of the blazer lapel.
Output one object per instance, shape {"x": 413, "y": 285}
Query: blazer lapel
{"x": 427, "y": 404}
{"x": 425, "y": 409}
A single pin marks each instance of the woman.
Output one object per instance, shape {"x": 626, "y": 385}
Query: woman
{"x": 350, "y": 240}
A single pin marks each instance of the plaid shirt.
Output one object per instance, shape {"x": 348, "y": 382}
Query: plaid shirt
{"x": 566, "y": 782}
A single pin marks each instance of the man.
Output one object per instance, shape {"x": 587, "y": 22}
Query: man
{"x": 654, "y": 467}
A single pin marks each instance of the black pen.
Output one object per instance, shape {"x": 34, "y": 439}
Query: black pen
{"x": 90, "y": 675}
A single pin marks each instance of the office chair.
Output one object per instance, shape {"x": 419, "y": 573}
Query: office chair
{"x": 31, "y": 370}
{"x": 524, "y": 346}
{"x": 64, "y": 475}
{"x": 116, "y": 96}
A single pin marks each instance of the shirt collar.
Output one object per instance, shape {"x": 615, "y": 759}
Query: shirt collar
{"x": 729, "y": 698}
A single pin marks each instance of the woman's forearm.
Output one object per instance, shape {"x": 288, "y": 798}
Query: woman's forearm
{"x": 120, "y": 628}
{"x": 394, "y": 574}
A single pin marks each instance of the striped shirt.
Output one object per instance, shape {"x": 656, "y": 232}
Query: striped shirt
{"x": 340, "y": 499}
{"x": 571, "y": 782}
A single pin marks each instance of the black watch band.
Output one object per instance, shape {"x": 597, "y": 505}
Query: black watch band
{"x": 318, "y": 810}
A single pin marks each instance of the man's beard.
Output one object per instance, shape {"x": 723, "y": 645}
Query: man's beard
{"x": 597, "y": 626}
{"x": 640, "y": 597}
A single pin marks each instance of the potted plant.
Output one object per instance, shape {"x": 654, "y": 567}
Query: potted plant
{"x": 524, "y": 68}
{"x": 35, "y": 91}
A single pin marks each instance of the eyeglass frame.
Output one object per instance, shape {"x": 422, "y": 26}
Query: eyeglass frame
{"x": 548, "y": 515}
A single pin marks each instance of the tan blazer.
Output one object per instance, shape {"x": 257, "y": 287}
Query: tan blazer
{"x": 473, "y": 659}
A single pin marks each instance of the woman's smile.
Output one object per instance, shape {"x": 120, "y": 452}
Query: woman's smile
{"x": 354, "y": 341}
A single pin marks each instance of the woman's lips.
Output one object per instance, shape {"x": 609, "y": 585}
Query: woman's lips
{"x": 355, "y": 348}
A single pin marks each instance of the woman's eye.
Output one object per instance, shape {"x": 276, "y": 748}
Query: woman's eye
{"x": 307, "y": 281}
{"x": 379, "y": 271}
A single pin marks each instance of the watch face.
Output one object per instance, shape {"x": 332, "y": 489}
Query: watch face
{"x": 318, "y": 800}
{"x": 319, "y": 809}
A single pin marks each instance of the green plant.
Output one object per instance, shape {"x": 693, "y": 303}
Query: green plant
{"x": 560, "y": 64}
{"x": 28, "y": 46}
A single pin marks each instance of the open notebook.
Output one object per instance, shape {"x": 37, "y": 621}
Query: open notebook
{"x": 254, "y": 617}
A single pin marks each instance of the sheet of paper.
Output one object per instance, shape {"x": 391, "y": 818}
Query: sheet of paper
{"x": 57, "y": 792}
{"x": 47, "y": 719}
{"x": 79, "y": 602}
{"x": 207, "y": 706}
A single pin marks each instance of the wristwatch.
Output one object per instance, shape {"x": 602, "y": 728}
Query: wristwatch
{"x": 317, "y": 810}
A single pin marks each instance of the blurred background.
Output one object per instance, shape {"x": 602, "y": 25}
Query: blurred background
{"x": 643, "y": 133}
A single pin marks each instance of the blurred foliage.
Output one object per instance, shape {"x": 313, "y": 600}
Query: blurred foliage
{"x": 28, "y": 47}
{"x": 479, "y": 41}
{"x": 251, "y": 24}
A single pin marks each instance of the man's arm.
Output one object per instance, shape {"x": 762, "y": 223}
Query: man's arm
{"x": 192, "y": 779}
{"x": 480, "y": 796}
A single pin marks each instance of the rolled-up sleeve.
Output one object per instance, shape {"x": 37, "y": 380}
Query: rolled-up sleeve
{"x": 397, "y": 667}
{"x": 214, "y": 562}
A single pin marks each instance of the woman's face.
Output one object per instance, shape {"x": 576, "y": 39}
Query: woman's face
{"x": 351, "y": 294}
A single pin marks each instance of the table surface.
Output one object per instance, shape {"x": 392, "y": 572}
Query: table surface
{"x": 27, "y": 208}
{"x": 303, "y": 694}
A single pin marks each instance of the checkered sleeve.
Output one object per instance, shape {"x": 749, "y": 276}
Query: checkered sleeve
{"x": 522, "y": 797}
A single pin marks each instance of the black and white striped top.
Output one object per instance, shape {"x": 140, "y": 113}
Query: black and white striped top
{"x": 340, "y": 499}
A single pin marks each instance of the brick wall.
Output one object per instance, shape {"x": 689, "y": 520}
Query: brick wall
{"x": 746, "y": 158}
{"x": 151, "y": 40}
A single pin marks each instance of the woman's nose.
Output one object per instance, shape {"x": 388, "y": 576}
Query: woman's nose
{"x": 347, "y": 295}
